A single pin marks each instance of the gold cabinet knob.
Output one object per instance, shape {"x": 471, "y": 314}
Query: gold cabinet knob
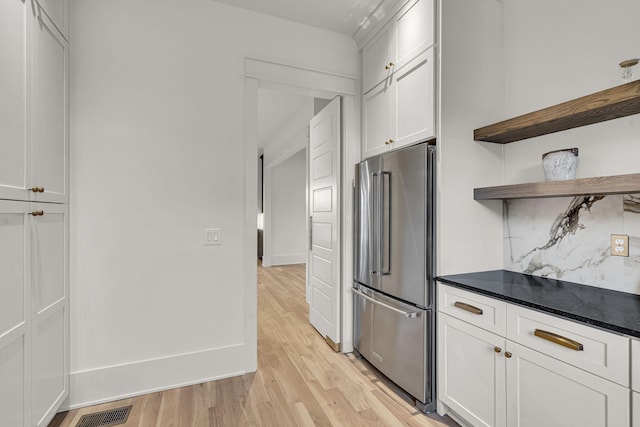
{"x": 37, "y": 189}
{"x": 389, "y": 66}
{"x": 391, "y": 141}
{"x": 507, "y": 355}
{"x": 497, "y": 349}
{"x": 37, "y": 213}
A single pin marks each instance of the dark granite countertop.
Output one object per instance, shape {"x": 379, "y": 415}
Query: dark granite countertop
{"x": 604, "y": 308}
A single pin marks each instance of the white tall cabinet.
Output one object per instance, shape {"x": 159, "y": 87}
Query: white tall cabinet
{"x": 34, "y": 290}
{"x": 398, "y": 80}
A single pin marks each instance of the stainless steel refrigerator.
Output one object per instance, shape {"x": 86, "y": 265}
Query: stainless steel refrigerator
{"x": 393, "y": 286}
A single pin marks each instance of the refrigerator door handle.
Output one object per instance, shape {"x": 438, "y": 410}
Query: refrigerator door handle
{"x": 385, "y": 224}
{"x": 374, "y": 254}
{"x": 409, "y": 314}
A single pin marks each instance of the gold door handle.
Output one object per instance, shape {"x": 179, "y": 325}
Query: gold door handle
{"x": 37, "y": 189}
{"x": 468, "y": 307}
{"x": 497, "y": 349}
{"x": 36, "y": 213}
{"x": 559, "y": 339}
{"x": 508, "y": 354}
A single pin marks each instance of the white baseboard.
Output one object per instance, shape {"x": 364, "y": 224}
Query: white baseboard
{"x": 117, "y": 382}
{"x": 288, "y": 259}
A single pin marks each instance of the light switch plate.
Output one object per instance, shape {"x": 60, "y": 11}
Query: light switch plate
{"x": 212, "y": 236}
{"x": 619, "y": 245}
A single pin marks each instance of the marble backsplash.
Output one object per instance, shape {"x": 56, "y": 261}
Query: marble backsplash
{"x": 569, "y": 238}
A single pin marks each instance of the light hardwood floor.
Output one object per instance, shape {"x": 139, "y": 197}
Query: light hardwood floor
{"x": 300, "y": 381}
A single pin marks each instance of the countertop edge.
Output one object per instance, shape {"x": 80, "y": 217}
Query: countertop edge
{"x": 562, "y": 314}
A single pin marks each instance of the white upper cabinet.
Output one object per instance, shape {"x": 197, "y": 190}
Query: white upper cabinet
{"x": 414, "y": 100}
{"x": 414, "y": 30}
{"x": 398, "y": 81}
{"x": 58, "y": 12}
{"x": 49, "y": 121}
{"x": 14, "y": 20}
{"x": 378, "y": 57}
{"x": 33, "y": 105}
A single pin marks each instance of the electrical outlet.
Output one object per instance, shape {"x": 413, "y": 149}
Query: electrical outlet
{"x": 619, "y": 245}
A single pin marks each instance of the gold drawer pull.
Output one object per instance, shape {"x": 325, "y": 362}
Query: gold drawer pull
{"x": 37, "y": 213}
{"x": 467, "y": 307}
{"x": 559, "y": 339}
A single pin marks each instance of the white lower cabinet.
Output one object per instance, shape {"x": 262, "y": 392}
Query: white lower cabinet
{"x": 636, "y": 409}
{"x": 471, "y": 372}
{"x": 543, "y": 391}
{"x": 34, "y": 317}
{"x": 486, "y": 379}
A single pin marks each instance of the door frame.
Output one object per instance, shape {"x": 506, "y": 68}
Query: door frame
{"x": 259, "y": 73}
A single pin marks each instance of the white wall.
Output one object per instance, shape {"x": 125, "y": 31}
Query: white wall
{"x": 288, "y": 210}
{"x": 157, "y": 156}
{"x": 557, "y": 51}
{"x": 469, "y": 233}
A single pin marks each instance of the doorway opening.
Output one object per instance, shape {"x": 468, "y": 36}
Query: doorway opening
{"x": 269, "y": 79}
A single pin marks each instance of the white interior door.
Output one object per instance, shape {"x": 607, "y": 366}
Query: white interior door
{"x": 324, "y": 248}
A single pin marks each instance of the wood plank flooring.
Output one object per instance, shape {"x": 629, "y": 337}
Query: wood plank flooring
{"x": 300, "y": 381}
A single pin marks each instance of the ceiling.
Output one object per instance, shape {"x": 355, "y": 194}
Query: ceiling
{"x": 342, "y": 16}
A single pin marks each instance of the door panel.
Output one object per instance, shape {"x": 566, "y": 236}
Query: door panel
{"x": 414, "y": 30}
{"x": 58, "y": 12}
{"x": 376, "y": 116}
{"x": 363, "y": 320}
{"x": 324, "y": 256}
{"x": 366, "y": 222}
{"x": 414, "y": 100}
{"x": 13, "y": 72}
{"x": 376, "y": 56}
{"x": 50, "y": 374}
{"x": 50, "y": 111}
{"x": 537, "y": 381}
{"x": 469, "y": 361}
{"x": 404, "y": 225}
{"x": 399, "y": 345}
{"x": 15, "y": 324}
{"x": 12, "y": 381}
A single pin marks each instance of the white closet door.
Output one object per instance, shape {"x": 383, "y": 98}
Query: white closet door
{"x": 13, "y": 97}
{"x": 50, "y": 337}
{"x": 14, "y": 314}
{"x": 49, "y": 111}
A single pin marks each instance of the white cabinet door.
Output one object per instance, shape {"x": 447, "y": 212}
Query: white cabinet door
{"x": 14, "y": 314}
{"x": 58, "y": 12}
{"x": 49, "y": 149}
{"x": 14, "y": 19}
{"x": 414, "y": 100}
{"x": 414, "y": 30}
{"x": 636, "y": 410}
{"x": 542, "y": 391}
{"x": 377, "y": 119}
{"x": 471, "y": 372}
{"x": 50, "y": 336}
{"x": 377, "y": 58}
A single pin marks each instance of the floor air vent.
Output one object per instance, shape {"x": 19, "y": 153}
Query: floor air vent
{"x": 112, "y": 417}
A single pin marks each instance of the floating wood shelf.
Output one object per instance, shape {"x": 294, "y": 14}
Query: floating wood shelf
{"x": 619, "y": 101}
{"x": 602, "y": 186}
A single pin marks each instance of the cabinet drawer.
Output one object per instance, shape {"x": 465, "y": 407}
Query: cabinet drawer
{"x": 602, "y": 353}
{"x": 486, "y": 313}
{"x": 635, "y": 366}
